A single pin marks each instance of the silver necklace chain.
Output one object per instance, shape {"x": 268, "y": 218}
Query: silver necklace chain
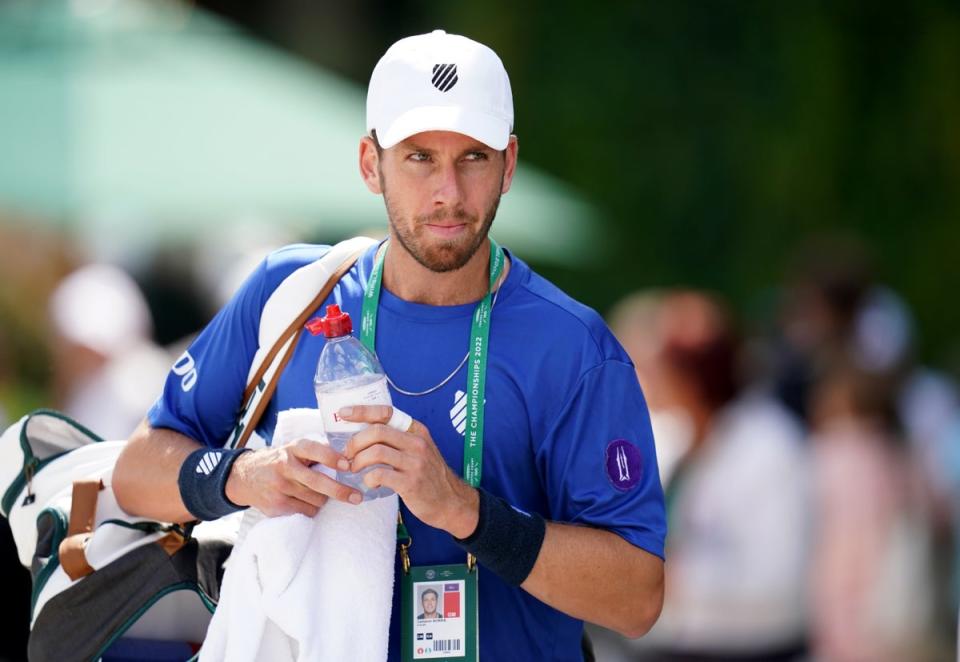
{"x": 466, "y": 356}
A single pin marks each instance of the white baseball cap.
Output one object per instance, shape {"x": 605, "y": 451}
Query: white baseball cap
{"x": 101, "y": 307}
{"x": 440, "y": 82}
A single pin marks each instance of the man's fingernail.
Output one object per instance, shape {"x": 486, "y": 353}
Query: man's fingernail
{"x": 355, "y": 498}
{"x": 346, "y": 411}
{"x": 343, "y": 465}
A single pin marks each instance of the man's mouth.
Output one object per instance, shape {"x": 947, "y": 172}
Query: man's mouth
{"x": 446, "y": 231}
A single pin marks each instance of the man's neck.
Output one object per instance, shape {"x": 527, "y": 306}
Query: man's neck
{"x": 405, "y": 277}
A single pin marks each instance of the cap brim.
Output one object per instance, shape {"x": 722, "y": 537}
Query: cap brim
{"x": 491, "y": 131}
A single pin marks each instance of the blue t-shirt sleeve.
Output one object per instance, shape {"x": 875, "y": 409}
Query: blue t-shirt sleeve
{"x": 598, "y": 462}
{"x": 203, "y": 393}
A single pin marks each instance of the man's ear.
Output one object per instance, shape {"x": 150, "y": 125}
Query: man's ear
{"x": 370, "y": 165}
{"x": 510, "y": 163}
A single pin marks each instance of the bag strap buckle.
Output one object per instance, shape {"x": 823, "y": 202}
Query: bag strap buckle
{"x": 28, "y": 471}
{"x": 83, "y": 511}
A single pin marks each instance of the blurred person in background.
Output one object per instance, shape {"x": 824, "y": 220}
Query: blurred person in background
{"x": 836, "y": 312}
{"x": 925, "y": 405}
{"x": 737, "y": 491}
{"x": 838, "y": 318}
{"x": 871, "y": 593}
{"x": 950, "y": 462}
{"x": 828, "y": 280}
{"x": 106, "y": 369}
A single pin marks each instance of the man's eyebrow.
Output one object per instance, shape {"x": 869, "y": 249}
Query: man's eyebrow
{"x": 479, "y": 147}
{"x": 408, "y": 144}
{"x": 412, "y": 146}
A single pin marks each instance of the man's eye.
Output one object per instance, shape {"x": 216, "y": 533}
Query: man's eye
{"x": 419, "y": 157}
{"x": 477, "y": 156}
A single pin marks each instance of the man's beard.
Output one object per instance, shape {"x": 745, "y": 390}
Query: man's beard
{"x": 446, "y": 255}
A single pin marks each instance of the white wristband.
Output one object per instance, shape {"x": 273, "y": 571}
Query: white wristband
{"x": 400, "y": 420}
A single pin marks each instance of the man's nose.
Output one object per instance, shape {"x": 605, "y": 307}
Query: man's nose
{"x": 447, "y": 190}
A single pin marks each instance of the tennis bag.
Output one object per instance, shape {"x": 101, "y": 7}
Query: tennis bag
{"x": 100, "y": 574}
{"x": 97, "y": 572}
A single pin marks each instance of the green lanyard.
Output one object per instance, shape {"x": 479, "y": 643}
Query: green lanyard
{"x": 476, "y": 364}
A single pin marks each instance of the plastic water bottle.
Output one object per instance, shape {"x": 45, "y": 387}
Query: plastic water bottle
{"x": 348, "y": 374}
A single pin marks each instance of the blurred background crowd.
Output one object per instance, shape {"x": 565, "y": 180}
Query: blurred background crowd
{"x": 761, "y": 198}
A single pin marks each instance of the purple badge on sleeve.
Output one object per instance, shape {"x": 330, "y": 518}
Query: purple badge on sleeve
{"x": 623, "y": 464}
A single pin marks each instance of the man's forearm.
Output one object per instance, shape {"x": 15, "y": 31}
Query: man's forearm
{"x": 599, "y": 577}
{"x": 145, "y": 476}
{"x": 588, "y": 573}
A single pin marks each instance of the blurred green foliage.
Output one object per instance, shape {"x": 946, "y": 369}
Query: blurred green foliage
{"x": 718, "y": 135}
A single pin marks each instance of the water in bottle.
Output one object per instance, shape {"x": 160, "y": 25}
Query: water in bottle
{"x": 348, "y": 374}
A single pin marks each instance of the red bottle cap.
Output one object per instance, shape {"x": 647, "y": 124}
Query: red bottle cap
{"x": 335, "y": 324}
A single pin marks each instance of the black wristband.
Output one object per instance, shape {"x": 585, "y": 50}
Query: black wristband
{"x": 203, "y": 482}
{"x": 507, "y": 540}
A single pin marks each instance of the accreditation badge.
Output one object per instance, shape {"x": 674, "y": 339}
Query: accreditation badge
{"x": 440, "y": 613}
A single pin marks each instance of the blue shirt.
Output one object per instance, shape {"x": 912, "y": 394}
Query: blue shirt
{"x": 567, "y": 433}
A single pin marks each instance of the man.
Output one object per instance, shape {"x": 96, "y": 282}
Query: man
{"x": 428, "y": 600}
{"x": 566, "y": 436}
{"x": 104, "y": 365}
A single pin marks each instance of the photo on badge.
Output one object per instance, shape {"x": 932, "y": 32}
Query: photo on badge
{"x": 429, "y": 604}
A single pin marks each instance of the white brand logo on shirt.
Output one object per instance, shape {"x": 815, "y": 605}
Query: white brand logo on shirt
{"x": 208, "y": 462}
{"x": 186, "y": 368}
{"x": 458, "y": 415}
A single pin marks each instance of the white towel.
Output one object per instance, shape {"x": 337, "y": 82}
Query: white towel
{"x": 303, "y": 589}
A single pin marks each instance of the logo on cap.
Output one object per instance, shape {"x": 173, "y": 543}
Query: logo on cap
{"x": 444, "y": 76}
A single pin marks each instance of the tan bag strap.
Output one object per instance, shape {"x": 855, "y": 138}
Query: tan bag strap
{"x": 291, "y": 335}
{"x": 83, "y": 511}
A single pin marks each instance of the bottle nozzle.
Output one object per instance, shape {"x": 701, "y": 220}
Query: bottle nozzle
{"x": 334, "y": 324}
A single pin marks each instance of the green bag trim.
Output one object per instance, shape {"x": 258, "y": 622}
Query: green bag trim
{"x": 188, "y": 586}
{"x": 29, "y": 459}
{"x": 146, "y": 527}
{"x": 53, "y": 561}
